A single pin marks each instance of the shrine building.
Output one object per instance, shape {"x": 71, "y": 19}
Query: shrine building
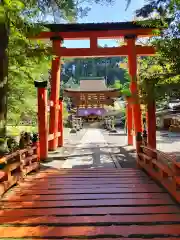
{"x": 92, "y": 97}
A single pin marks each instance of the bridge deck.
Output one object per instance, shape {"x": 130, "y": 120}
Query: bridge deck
{"x": 89, "y": 203}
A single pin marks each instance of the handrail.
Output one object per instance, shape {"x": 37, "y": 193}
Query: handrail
{"x": 169, "y": 157}
{"x": 5, "y": 158}
{"x": 15, "y": 166}
{"x": 52, "y": 136}
{"x": 163, "y": 167}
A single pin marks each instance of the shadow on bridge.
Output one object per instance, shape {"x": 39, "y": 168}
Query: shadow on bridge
{"x": 119, "y": 154}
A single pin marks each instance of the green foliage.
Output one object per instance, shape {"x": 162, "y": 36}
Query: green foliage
{"x": 23, "y": 71}
{"x": 117, "y": 84}
{"x": 16, "y": 130}
{"x": 157, "y": 80}
{"x": 30, "y": 60}
{"x": 65, "y": 112}
{"x": 126, "y": 92}
{"x": 95, "y": 67}
{"x": 125, "y": 87}
{"x": 27, "y": 59}
{"x": 159, "y": 76}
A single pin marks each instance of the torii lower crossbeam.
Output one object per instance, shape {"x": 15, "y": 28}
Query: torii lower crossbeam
{"x": 104, "y": 52}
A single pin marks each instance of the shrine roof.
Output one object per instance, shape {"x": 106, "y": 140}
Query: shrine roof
{"x": 90, "y": 90}
{"x": 81, "y": 27}
{"x": 92, "y": 84}
{"x": 92, "y": 78}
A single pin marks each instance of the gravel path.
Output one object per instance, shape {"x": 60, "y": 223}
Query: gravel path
{"x": 92, "y": 152}
{"x": 57, "y": 157}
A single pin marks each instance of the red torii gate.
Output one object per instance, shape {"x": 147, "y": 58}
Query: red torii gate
{"x": 59, "y": 32}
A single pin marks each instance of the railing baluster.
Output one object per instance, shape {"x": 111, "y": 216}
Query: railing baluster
{"x": 14, "y": 167}
{"x": 163, "y": 167}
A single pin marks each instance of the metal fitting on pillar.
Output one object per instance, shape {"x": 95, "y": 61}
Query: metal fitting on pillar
{"x": 130, "y": 36}
{"x": 42, "y": 119}
{"x": 57, "y": 37}
{"x": 40, "y": 84}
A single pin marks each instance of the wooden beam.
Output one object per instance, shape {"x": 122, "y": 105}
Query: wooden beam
{"x": 104, "y": 52}
{"x": 93, "y": 43}
{"x": 93, "y": 103}
{"x": 147, "y": 32}
{"x": 77, "y": 94}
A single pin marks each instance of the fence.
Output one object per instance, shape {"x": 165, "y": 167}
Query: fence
{"x": 14, "y": 167}
{"x": 163, "y": 168}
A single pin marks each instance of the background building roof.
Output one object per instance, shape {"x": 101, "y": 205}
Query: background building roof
{"x": 92, "y": 84}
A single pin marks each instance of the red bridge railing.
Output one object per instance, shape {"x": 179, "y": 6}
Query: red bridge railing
{"x": 14, "y": 167}
{"x": 162, "y": 167}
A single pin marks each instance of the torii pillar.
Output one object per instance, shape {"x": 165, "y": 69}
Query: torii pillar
{"x": 132, "y": 62}
{"x": 42, "y": 119}
{"x": 54, "y": 95}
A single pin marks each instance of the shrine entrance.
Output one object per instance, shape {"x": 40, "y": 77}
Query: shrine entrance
{"x": 129, "y": 31}
{"x": 91, "y": 98}
{"x": 92, "y": 118}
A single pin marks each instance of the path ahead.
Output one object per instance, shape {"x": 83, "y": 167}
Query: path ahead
{"x": 92, "y": 151}
{"x": 88, "y": 148}
{"x": 91, "y": 148}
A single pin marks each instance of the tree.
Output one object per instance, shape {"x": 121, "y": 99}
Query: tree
{"x": 157, "y": 80}
{"x": 14, "y": 51}
{"x": 168, "y": 12}
{"x": 125, "y": 86}
{"x": 160, "y": 75}
{"x": 17, "y": 20}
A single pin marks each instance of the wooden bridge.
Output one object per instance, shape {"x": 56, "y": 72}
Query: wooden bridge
{"x": 91, "y": 203}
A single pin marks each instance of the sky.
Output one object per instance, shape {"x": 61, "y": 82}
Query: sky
{"x": 99, "y": 14}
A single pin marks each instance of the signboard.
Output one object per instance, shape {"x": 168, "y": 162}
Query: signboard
{"x": 91, "y": 111}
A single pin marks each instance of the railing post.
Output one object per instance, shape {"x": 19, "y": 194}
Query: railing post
{"x": 129, "y": 120}
{"x": 60, "y": 123}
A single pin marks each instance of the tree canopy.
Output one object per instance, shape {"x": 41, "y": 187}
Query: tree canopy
{"x": 160, "y": 74}
{"x": 30, "y": 60}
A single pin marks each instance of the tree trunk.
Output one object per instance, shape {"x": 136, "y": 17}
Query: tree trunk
{"x": 3, "y": 78}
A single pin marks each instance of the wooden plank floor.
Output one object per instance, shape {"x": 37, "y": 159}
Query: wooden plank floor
{"x": 90, "y": 203}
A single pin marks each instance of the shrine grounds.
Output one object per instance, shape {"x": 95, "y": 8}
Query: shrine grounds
{"x": 97, "y": 147}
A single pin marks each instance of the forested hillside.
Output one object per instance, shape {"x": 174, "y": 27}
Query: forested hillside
{"x": 95, "y": 67}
